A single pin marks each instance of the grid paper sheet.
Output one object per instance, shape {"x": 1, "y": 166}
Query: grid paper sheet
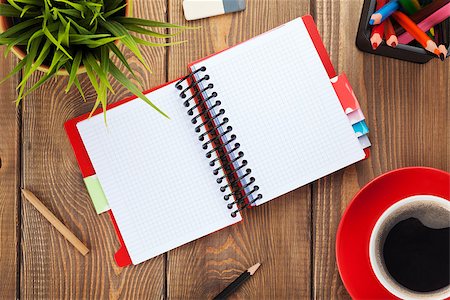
{"x": 284, "y": 111}
{"x": 155, "y": 175}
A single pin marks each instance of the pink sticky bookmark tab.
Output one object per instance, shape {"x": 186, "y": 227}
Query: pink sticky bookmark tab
{"x": 356, "y": 116}
{"x": 345, "y": 93}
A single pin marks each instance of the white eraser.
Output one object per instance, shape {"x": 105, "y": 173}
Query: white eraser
{"x": 198, "y": 9}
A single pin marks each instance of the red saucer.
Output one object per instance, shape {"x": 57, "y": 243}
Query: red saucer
{"x": 355, "y": 228}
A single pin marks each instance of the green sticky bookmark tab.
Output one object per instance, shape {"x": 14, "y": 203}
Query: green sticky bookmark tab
{"x": 95, "y": 191}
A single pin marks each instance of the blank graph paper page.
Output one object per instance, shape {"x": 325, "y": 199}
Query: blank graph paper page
{"x": 283, "y": 109}
{"x": 155, "y": 175}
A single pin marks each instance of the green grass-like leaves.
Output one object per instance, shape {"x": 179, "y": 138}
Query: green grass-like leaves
{"x": 69, "y": 34}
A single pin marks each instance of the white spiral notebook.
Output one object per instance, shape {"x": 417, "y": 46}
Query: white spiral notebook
{"x": 246, "y": 125}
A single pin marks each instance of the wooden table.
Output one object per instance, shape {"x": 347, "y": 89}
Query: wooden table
{"x": 407, "y": 110}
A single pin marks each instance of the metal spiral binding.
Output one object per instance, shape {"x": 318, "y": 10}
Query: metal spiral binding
{"x": 233, "y": 167}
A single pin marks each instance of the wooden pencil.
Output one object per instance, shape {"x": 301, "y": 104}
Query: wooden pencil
{"x": 443, "y": 36}
{"x": 435, "y": 18}
{"x": 417, "y": 33}
{"x": 443, "y": 50}
{"x": 384, "y": 12}
{"x": 389, "y": 34}
{"x": 410, "y": 6}
{"x": 377, "y": 34}
{"x": 376, "y": 37}
{"x": 237, "y": 282}
{"x": 434, "y": 32}
{"x": 444, "y": 33}
{"x": 49, "y": 216}
{"x": 440, "y": 37}
{"x": 422, "y": 14}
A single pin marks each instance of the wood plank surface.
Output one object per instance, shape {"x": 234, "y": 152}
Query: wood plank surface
{"x": 9, "y": 179}
{"x": 51, "y": 267}
{"x": 406, "y": 106}
{"x": 278, "y": 233}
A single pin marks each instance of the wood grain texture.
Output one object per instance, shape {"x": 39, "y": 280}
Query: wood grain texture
{"x": 51, "y": 267}
{"x": 407, "y": 110}
{"x": 406, "y": 106}
{"x": 278, "y": 233}
{"x": 9, "y": 179}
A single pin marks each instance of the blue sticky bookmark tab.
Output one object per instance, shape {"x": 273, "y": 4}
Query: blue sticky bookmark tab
{"x": 360, "y": 128}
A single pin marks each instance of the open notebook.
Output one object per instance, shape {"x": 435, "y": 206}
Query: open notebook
{"x": 247, "y": 125}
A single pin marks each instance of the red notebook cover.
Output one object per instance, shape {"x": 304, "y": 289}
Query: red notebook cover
{"x": 122, "y": 257}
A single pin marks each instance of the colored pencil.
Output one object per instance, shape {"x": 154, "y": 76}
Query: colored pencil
{"x": 49, "y": 216}
{"x": 410, "y": 6}
{"x": 237, "y": 282}
{"x": 376, "y": 37}
{"x": 381, "y": 14}
{"x": 443, "y": 50}
{"x": 443, "y": 34}
{"x": 417, "y": 33}
{"x": 377, "y": 34}
{"x": 422, "y": 14}
{"x": 431, "y": 31}
{"x": 435, "y": 18}
{"x": 389, "y": 34}
{"x": 425, "y": 2}
{"x": 437, "y": 33}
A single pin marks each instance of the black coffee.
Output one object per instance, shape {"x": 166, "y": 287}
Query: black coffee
{"x": 417, "y": 256}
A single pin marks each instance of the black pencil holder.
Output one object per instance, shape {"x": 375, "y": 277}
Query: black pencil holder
{"x": 402, "y": 52}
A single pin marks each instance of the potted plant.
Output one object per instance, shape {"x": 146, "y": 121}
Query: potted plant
{"x": 70, "y": 37}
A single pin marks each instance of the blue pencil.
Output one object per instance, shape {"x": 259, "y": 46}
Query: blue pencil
{"x": 384, "y": 12}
